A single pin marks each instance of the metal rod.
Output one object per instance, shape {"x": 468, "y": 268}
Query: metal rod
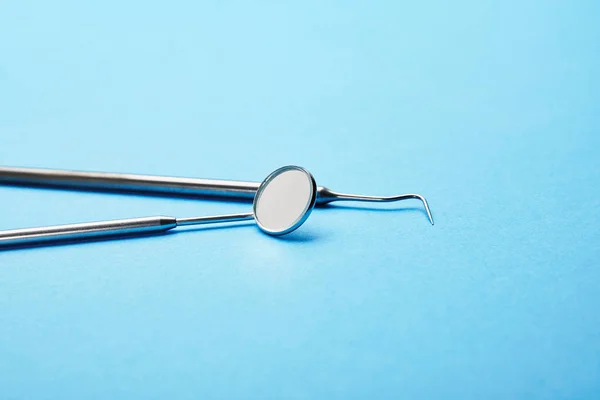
{"x": 110, "y": 182}
{"x": 214, "y": 220}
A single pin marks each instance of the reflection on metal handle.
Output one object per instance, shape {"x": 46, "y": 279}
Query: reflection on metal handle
{"x": 123, "y": 227}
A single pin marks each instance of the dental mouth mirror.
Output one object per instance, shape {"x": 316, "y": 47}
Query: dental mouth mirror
{"x": 175, "y": 186}
{"x": 283, "y": 201}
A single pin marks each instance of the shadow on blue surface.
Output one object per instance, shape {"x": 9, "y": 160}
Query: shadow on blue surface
{"x": 300, "y": 236}
{"x": 378, "y": 209}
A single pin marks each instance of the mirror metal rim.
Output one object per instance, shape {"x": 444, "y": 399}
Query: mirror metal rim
{"x": 307, "y": 210}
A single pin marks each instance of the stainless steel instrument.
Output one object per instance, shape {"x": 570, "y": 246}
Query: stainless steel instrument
{"x": 166, "y": 185}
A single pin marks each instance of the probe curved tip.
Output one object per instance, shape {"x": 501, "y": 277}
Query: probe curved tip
{"x": 411, "y": 196}
{"x": 330, "y": 196}
{"x": 402, "y": 197}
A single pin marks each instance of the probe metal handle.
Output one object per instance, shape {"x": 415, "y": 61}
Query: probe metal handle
{"x": 122, "y": 227}
{"x": 111, "y": 182}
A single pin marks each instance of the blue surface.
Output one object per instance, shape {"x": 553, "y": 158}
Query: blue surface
{"x": 489, "y": 110}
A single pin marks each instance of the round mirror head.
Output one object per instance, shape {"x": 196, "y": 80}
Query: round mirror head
{"x": 285, "y": 200}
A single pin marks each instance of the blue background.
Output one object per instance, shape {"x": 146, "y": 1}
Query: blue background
{"x": 490, "y": 110}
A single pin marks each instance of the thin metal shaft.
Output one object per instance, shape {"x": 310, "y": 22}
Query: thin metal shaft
{"x": 214, "y": 220}
{"x": 107, "y": 229}
{"x": 166, "y": 185}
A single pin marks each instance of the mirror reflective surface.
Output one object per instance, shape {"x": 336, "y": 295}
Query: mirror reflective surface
{"x": 284, "y": 200}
